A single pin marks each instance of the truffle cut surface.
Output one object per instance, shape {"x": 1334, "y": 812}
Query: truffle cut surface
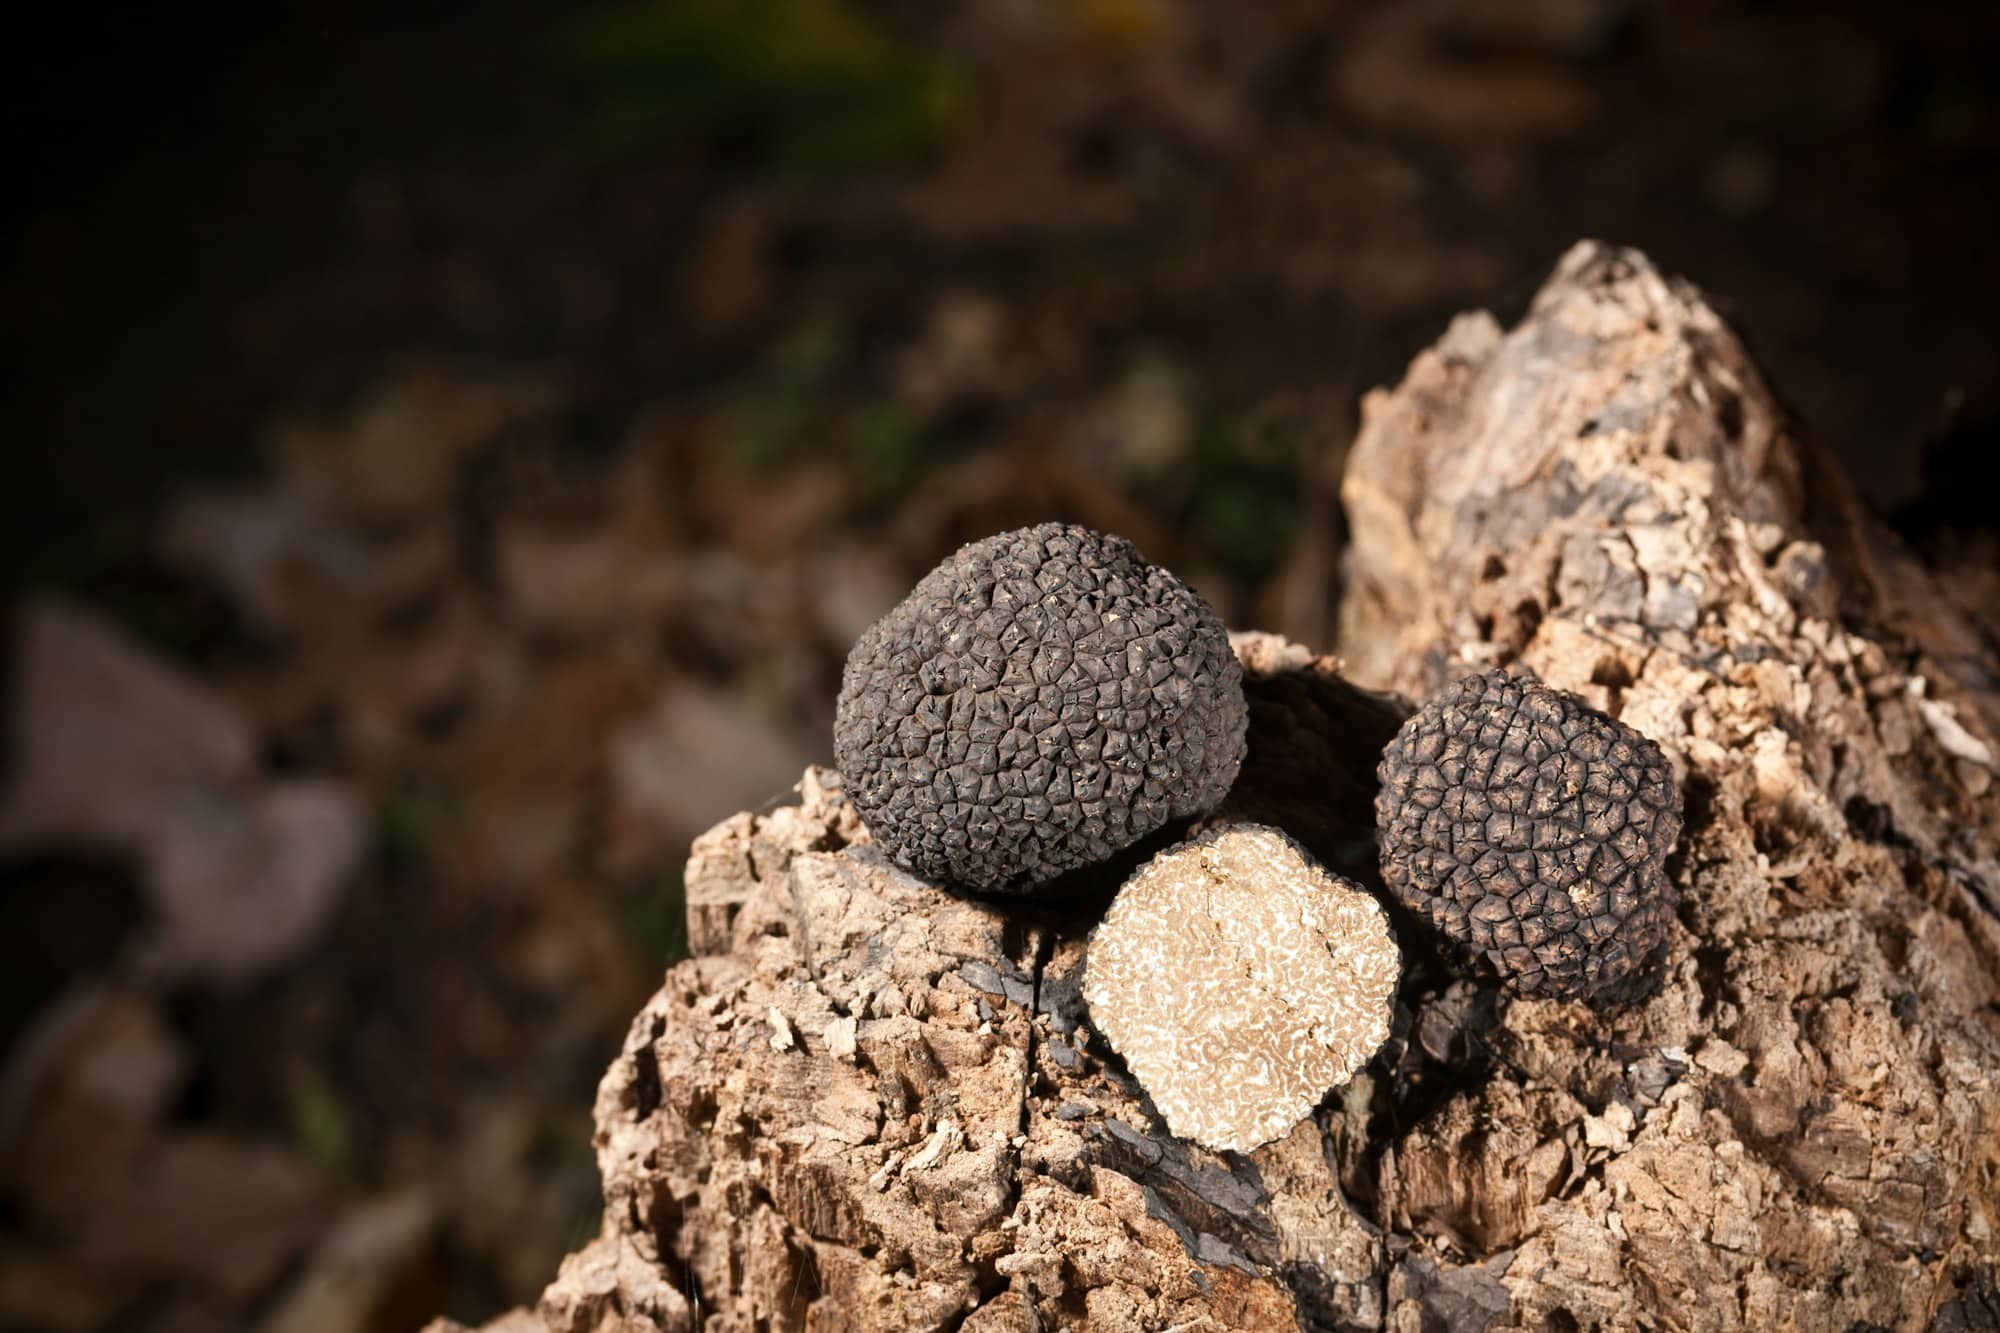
{"x": 1241, "y": 981}
{"x": 1041, "y": 700}
{"x": 1533, "y": 831}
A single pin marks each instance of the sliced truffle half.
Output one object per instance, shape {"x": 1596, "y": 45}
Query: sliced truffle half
{"x": 1241, "y": 981}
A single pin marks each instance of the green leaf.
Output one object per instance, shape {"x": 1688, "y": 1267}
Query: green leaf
{"x": 812, "y": 84}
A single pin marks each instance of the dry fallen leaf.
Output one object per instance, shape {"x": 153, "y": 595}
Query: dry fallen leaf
{"x": 116, "y": 748}
{"x": 357, "y": 1267}
{"x": 699, "y": 755}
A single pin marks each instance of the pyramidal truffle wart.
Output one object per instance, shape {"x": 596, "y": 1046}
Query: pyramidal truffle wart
{"x": 1533, "y": 831}
{"x": 1242, "y": 982}
{"x": 1041, "y": 700}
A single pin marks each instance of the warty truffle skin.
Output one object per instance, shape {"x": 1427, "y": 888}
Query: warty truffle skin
{"x": 1041, "y": 700}
{"x": 1531, "y": 830}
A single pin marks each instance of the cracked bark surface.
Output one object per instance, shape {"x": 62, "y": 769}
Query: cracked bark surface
{"x": 868, "y": 1104}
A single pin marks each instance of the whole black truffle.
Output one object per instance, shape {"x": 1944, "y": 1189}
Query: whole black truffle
{"x": 1043, "y": 699}
{"x": 1532, "y": 830}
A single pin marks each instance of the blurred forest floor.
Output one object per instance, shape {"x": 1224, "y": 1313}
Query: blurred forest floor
{"x": 453, "y": 453}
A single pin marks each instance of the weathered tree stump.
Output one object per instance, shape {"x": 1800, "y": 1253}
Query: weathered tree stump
{"x": 868, "y": 1104}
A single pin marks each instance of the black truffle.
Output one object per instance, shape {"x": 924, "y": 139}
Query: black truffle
{"x": 1043, "y": 699}
{"x": 1532, "y": 830}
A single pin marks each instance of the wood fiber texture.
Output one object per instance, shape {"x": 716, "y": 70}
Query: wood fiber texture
{"x": 867, "y": 1104}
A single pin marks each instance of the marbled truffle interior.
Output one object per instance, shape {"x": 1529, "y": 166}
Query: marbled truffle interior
{"x": 1241, "y": 981}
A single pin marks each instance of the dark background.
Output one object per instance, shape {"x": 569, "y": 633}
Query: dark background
{"x": 490, "y": 425}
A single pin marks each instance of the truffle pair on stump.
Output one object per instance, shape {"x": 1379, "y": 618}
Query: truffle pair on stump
{"x": 1046, "y": 698}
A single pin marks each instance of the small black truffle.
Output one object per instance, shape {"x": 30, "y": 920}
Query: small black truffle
{"x": 1532, "y": 830}
{"x": 1041, "y": 700}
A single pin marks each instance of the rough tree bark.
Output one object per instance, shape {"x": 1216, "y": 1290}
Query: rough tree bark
{"x": 868, "y": 1104}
